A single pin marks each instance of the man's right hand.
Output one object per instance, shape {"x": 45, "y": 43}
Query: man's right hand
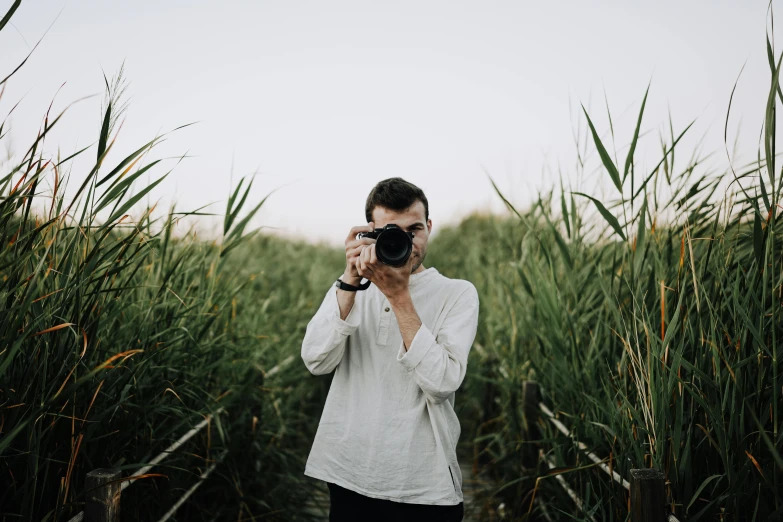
{"x": 353, "y": 248}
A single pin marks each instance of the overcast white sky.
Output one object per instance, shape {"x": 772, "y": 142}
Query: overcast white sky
{"x": 327, "y": 98}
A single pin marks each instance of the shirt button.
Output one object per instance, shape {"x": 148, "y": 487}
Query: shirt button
{"x": 386, "y": 309}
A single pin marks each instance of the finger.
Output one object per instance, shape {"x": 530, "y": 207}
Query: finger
{"x": 369, "y": 227}
{"x": 373, "y": 256}
{"x": 360, "y": 241}
{"x": 354, "y": 231}
{"x": 363, "y": 259}
{"x": 362, "y": 266}
{"x": 353, "y": 253}
{"x": 366, "y": 263}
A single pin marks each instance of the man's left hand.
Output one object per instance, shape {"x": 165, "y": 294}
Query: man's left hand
{"x": 392, "y": 282}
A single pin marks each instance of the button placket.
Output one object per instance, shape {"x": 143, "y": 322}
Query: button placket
{"x": 385, "y": 320}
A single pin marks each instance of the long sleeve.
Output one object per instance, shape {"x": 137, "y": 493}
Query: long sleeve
{"x": 326, "y": 335}
{"x": 439, "y": 364}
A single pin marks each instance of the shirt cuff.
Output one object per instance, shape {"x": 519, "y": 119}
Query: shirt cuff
{"x": 351, "y": 322}
{"x": 421, "y": 344}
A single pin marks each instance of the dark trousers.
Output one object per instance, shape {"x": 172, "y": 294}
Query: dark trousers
{"x": 349, "y": 506}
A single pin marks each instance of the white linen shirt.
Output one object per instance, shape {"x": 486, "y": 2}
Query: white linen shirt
{"x": 388, "y": 429}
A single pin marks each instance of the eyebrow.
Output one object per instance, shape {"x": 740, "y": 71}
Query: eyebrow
{"x": 417, "y": 224}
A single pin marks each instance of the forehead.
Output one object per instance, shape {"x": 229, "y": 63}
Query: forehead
{"x": 412, "y": 214}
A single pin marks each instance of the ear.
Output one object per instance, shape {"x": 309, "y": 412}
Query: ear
{"x": 429, "y": 227}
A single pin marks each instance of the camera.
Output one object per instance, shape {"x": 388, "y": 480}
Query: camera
{"x": 393, "y": 245}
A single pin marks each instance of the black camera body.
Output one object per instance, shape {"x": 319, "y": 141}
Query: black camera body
{"x": 393, "y": 245}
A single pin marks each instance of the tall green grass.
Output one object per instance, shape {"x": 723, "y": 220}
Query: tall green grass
{"x": 113, "y": 335}
{"x": 116, "y": 337}
{"x": 651, "y": 321}
{"x": 657, "y": 339}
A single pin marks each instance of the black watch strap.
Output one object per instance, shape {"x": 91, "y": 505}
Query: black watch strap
{"x": 350, "y": 288}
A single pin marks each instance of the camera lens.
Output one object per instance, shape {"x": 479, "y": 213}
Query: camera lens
{"x": 394, "y": 247}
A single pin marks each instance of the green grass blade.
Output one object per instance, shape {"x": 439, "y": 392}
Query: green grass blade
{"x": 632, "y": 149}
{"x": 605, "y": 158}
{"x": 608, "y": 216}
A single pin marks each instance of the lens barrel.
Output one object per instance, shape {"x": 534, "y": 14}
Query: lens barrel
{"x": 393, "y": 245}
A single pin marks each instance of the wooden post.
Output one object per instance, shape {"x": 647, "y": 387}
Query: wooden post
{"x": 103, "y": 496}
{"x": 530, "y": 419}
{"x": 648, "y": 499}
{"x": 530, "y": 398}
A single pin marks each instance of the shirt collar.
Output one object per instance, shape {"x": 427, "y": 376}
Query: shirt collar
{"x": 421, "y": 276}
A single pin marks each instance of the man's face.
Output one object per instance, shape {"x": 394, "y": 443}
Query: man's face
{"x": 410, "y": 220}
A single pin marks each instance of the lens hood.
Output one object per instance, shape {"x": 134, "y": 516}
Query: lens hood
{"x": 393, "y": 245}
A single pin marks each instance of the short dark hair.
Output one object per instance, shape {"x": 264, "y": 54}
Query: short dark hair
{"x": 395, "y": 194}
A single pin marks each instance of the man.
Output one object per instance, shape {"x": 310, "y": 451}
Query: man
{"x": 386, "y": 442}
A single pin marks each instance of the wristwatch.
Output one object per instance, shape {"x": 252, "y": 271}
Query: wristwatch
{"x": 350, "y": 288}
